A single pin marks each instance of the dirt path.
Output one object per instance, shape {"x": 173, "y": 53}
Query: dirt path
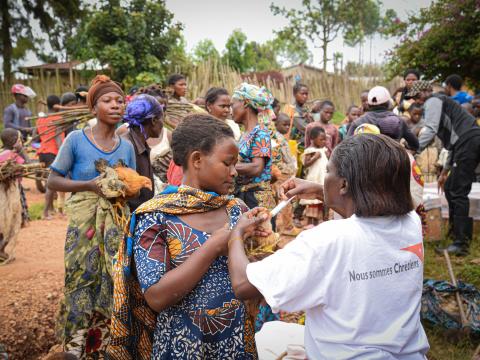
{"x": 31, "y": 287}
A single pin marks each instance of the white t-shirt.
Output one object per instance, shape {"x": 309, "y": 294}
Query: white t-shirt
{"x": 359, "y": 281}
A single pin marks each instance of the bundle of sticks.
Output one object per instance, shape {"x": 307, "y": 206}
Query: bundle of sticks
{"x": 10, "y": 170}
{"x": 176, "y": 112}
{"x": 67, "y": 119}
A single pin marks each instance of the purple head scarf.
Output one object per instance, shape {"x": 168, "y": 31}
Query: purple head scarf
{"x": 140, "y": 109}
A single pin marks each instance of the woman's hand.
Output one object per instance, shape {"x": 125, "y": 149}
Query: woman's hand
{"x": 219, "y": 240}
{"x": 302, "y": 188}
{"x": 248, "y": 223}
{"x": 93, "y": 186}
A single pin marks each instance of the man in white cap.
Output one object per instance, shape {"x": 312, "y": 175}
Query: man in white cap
{"x": 379, "y": 115}
{"x": 15, "y": 115}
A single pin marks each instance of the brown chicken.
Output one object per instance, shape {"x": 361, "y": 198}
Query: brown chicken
{"x": 132, "y": 180}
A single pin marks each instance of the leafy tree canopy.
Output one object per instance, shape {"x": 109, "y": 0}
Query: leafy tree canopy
{"x": 134, "y": 38}
{"x": 440, "y": 40}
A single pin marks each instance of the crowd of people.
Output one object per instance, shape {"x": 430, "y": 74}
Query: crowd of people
{"x": 177, "y": 284}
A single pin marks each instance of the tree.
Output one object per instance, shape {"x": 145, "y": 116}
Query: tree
{"x": 237, "y": 52}
{"x": 123, "y": 35}
{"x": 367, "y": 14}
{"x": 440, "y": 40}
{"x": 244, "y": 55}
{"x": 53, "y": 16}
{"x": 290, "y": 49}
{"x": 177, "y": 60}
{"x": 205, "y": 50}
{"x": 320, "y": 21}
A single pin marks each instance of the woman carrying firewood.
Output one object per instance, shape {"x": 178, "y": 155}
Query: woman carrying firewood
{"x": 10, "y": 195}
{"x": 93, "y": 233}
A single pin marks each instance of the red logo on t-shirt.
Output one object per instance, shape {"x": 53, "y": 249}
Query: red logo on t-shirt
{"x": 417, "y": 249}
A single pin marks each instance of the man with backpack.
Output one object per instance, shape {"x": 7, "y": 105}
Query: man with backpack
{"x": 460, "y": 134}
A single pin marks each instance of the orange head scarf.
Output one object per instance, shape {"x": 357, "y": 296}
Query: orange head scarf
{"x": 101, "y": 85}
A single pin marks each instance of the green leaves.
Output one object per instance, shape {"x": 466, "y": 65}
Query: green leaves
{"x": 441, "y": 40}
{"x": 135, "y": 38}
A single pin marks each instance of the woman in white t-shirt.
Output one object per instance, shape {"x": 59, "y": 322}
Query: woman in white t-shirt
{"x": 359, "y": 279}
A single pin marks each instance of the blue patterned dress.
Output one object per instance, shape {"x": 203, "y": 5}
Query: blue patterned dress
{"x": 208, "y": 323}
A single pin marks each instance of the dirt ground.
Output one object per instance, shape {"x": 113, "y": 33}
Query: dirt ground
{"x": 31, "y": 287}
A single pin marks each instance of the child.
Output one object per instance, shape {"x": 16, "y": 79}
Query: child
{"x": 359, "y": 279}
{"x": 326, "y": 109}
{"x": 353, "y": 113}
{"x": 298, "y": 113}
{"x": 315, "y": 161}
{"x": 10, "y": 197}
{"x": 414, "y": 120}
{"x": 287, "y": 164}
{"x": 179, "y": 246}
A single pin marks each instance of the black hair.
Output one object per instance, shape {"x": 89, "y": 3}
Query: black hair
{"x": 326, "y": 103}
{"x": 414, "y": 106}
{"x": 282, "y": 116}
{"x": 275, "y": 103}
{"x": 78, "y": 90}
{"x": 213, "y": 94}
{"x": 9, "y": 137}
{"x": 157, "y": 92}
{"x": 298, "y": 86}
{"x": 52, "y": 100}
{"x": 197, "y": 132}
{"x": 174, "y": 78}
{"x": 352, "y": 107}
{"x": 133, "y": 90}
{"x": 411, "y": 71}
{"x": 377, "y": 171}
{"x": 316, "y": 131}
{"x": 68, "y": 97}
{"x": 455, "y": 81}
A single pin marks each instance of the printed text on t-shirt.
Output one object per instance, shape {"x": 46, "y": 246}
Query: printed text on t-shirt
{"x": 388, "y": 271}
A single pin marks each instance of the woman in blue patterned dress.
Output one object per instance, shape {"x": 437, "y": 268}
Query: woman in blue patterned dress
{"x": 179, "y": 245}
{"x": 252, "y": 107}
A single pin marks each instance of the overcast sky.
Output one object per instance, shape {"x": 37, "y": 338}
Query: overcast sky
{"x": 216, "y": 19}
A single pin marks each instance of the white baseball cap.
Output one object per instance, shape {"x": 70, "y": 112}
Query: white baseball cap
{"x": 378, "y": 95}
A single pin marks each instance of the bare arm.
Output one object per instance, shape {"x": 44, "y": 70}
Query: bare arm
{"x": 252, "y": 169}
{"x": 237, "y": 259}
{"x": 300, "y": 123}
{"x": 177, "y": 283}
{"x": 310, "y": 159}
{"x": 57, "y": 182}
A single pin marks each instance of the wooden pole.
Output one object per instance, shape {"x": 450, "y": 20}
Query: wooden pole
{"x": 57, "y": 81}
{"x": 463, "y": 318}
{"x": 70, "y": 72}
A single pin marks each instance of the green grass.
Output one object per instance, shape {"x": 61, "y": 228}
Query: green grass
{"x": 338, "y": 117}
{"x": 35, "y": 211}
{"x": 446, "y": 345}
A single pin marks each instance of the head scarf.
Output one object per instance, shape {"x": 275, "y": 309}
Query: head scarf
{"x": 261, "y": 99}
{"x": 140, "y": 109}
{"x": 101, "y": 85}
{"x": 417, "y": 87}
{"x": 367, "y": 129}
{"x": 133, "y": 321}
